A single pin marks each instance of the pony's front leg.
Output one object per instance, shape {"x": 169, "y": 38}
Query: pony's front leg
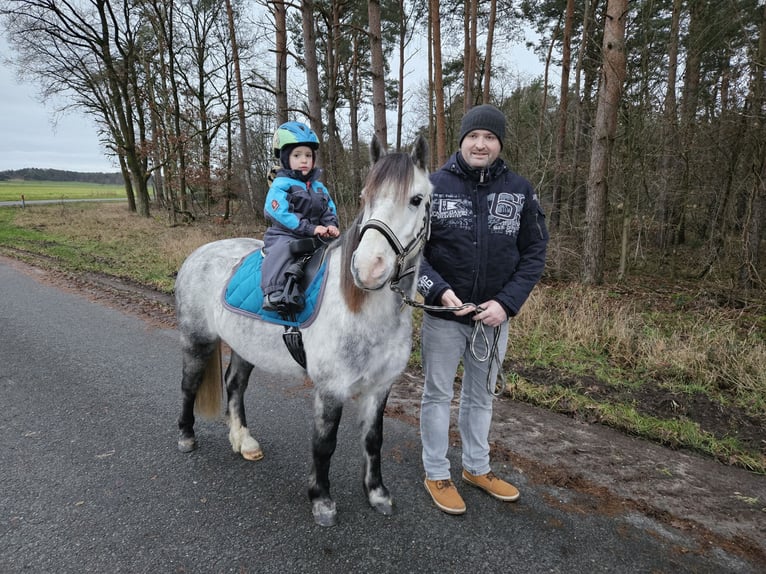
{"x": 237, "y": 377}
{"x": 371, "y": 422}
{"x": 327, "y": 413}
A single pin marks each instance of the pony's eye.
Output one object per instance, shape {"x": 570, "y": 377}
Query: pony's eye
{"x": 416, "y": 200}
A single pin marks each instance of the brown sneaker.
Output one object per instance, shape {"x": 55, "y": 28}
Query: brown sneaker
{"x": 445, "y": 496}
{"x": 492, "y": 485}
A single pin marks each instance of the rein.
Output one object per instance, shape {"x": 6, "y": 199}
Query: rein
{"x": 478, "y": 330}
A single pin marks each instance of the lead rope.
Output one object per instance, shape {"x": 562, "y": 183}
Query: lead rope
{"x": 491, "y": 355}
{"x": 495, "y": 389}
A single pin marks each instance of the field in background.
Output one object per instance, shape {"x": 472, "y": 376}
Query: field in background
{"x": 13, "y": 190}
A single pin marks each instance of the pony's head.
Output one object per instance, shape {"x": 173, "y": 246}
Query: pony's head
{"x": 388, "y": 235}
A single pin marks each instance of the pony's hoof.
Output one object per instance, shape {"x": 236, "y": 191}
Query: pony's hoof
{"x": 187, "y": 444}
{"x": 380, "y": 500}
{"x": 325, "y": 513}
{"x": 256, "y": 454}
{"x": 385, "y": 507}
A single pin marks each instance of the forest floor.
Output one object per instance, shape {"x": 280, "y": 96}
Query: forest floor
{"x": 583, "y": 466}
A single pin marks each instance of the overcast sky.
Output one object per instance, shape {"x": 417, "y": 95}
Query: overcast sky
{"x": 29, "y": 137}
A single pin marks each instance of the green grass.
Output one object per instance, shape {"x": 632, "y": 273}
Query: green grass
{"x": 13, "y": 190}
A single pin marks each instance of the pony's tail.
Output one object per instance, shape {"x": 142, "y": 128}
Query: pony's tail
{"x": 207, "y": 403}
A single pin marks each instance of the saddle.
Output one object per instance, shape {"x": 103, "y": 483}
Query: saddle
{"x": 243, "y": 294}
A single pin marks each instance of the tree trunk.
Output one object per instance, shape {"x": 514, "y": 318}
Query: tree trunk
{"x": 544, "y": 106}
{"x": 582, "y": 115}
{"x": 469, "y": 51}
{"x": 280, "y": 30}
{"x": 695, "y": 48}
{"x": 441, "y": 129}
{"x": 333, "y": 148}
{"x": 356, "y": 153}
{"x": 179, "y": 153}
{"x": 486, "y": 92}
{"x": 256, "y": 202}
{"x": 400, "y": 96}
{"x": 312, "y": 71}
{"x": 669, "y": 164}
{"x": 752, "y": 225}
{"x": 377, "y": 70}
{"x": 561, "y": 134}
{"x": 610, "y": 92}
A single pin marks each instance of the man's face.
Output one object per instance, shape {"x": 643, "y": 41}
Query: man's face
{"x": 480, "y": 148}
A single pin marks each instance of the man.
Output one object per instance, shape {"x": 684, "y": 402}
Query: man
{"x": 487, "y": 248}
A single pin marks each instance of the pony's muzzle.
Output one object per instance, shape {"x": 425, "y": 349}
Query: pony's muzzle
{"x": 371, "y": 272}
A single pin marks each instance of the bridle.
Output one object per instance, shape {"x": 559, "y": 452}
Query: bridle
{"x": 402, "y": 254}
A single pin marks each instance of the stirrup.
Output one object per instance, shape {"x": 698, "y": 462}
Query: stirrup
{"x": 294, "y": 342}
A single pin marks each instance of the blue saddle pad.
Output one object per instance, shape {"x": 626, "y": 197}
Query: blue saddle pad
{"x": 243, "y": 292}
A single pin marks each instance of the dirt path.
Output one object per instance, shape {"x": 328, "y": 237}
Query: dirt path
{"x": 611, "y": 473}
{"x": 583, "y": 467}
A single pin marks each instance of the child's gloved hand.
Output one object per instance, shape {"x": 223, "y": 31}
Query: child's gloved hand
{"x": 329, "y": 231}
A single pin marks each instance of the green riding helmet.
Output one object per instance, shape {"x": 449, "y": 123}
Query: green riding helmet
{"x": 294, "y": 133}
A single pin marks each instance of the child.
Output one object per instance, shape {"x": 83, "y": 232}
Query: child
{"x": 297, "y": 204}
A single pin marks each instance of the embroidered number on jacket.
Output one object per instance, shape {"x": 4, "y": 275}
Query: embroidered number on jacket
{"x": 505, "y": 213}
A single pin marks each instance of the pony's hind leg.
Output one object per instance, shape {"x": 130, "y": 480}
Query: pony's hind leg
{"x": 327, "y": 413}
{"x": 237, "y": 377}
{"x": 371, "y": 422}
{"x": 195, "y": 361}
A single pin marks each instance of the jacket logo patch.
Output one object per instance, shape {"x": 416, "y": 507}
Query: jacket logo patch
{"x": 274, "y": 204}
{"x": 505, "y": 213}
{"x": 424, "y": 285}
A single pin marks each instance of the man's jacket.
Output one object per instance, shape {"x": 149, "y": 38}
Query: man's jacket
{"x": 488, "y": 237}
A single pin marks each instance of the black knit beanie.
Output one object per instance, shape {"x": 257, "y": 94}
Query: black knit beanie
{"x": 483, "y": 117}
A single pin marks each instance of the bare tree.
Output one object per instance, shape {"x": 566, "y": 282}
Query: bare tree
{"x": 670, "y": 164}
{"x": 486, "y": 92}
{"x": 280, "y": 28}
{"x": 255, "y": 202}
{"x": 470, "y": 20}
{"x": 583, "y": 103}
{"x": 378, "y": 72}
{"x": 563, "y": 117}
{"x": 610, "y": 92}
{"x": 93, "y": 58}
{"x": 755, "y": 206}
{"x": 312, "y": 70}
{"x": 438, "y": 81}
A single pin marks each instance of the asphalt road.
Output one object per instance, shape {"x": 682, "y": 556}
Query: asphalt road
{"x": 91, "y": 480}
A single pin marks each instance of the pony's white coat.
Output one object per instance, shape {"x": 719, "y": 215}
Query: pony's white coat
{"x": 348, "y": 353}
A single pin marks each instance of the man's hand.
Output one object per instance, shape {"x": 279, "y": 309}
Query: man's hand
{"x": 491, "y": 313}
{"x": 449, "y": 299}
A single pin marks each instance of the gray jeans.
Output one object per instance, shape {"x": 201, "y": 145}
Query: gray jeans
{"x": 443, "y": 344}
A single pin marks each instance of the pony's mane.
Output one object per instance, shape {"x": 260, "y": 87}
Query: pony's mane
{"x": 395, "y": 170}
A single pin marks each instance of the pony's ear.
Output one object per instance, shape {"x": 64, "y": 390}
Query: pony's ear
{"x": 419, "y": 153}
{"x": 377, "y": 150}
